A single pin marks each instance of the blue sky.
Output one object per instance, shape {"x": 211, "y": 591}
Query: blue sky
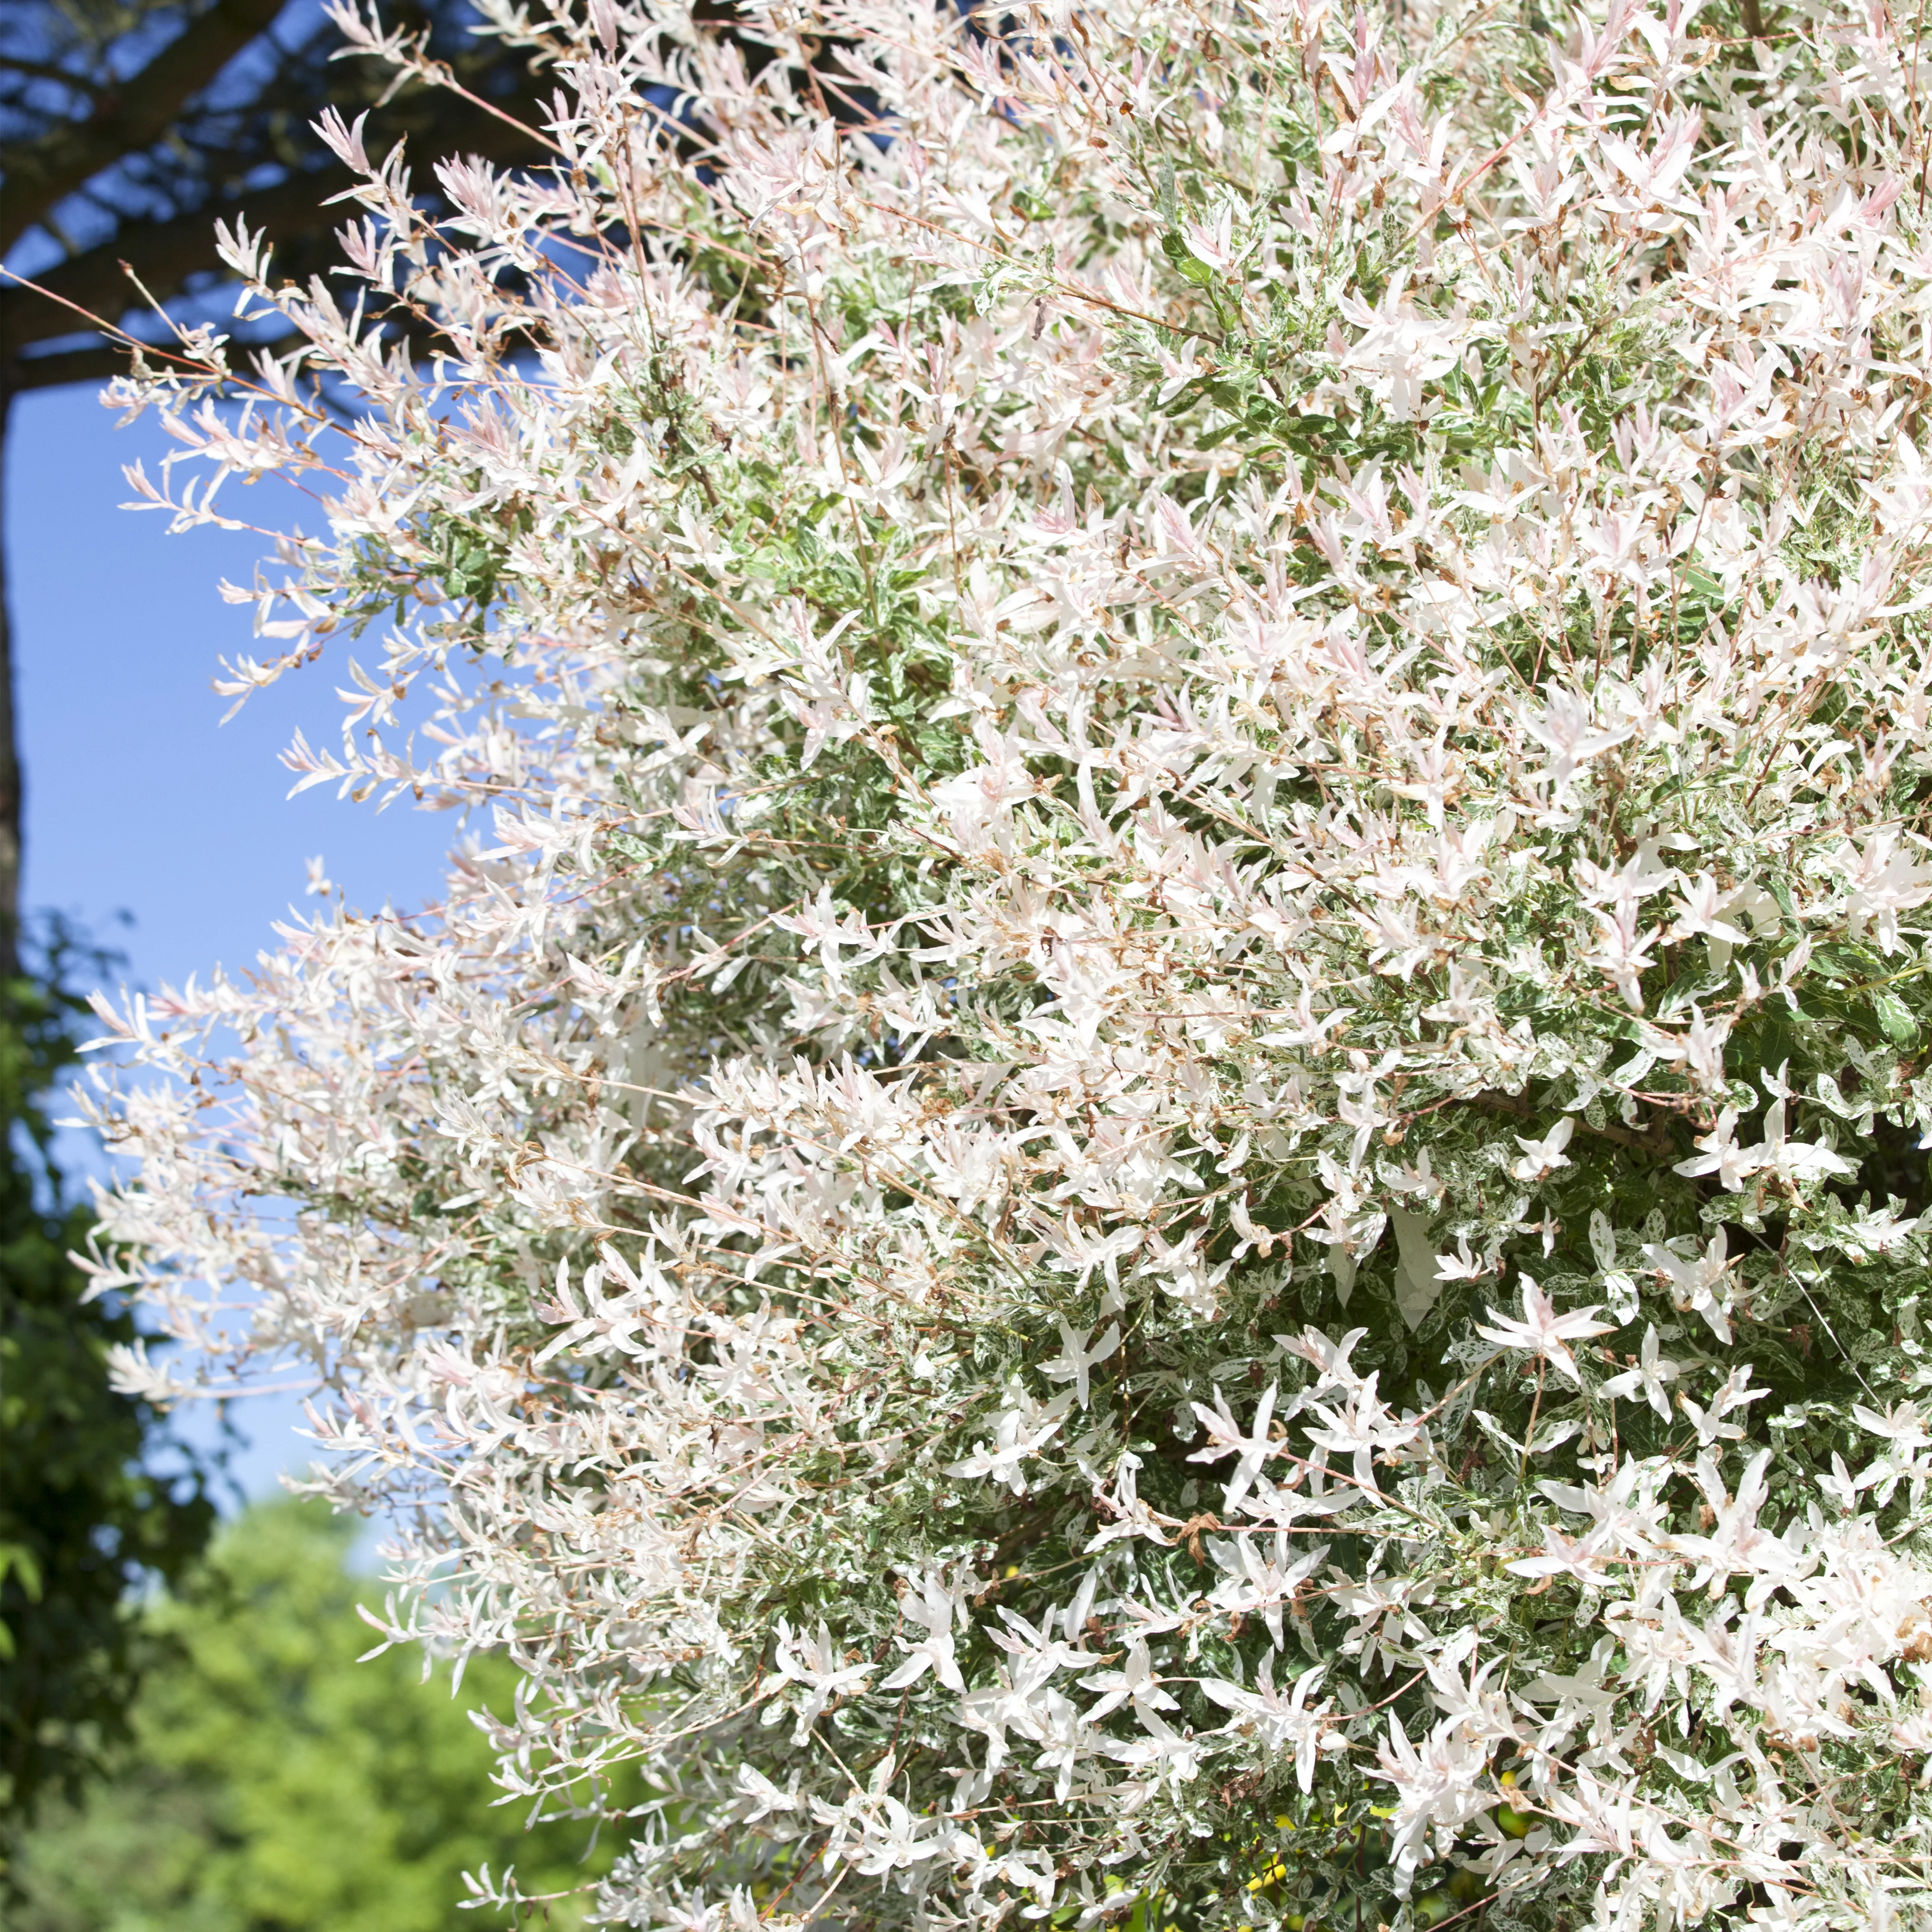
{"x": 138, "y": 800}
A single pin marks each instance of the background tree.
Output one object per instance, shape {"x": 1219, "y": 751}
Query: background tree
{"x": 274, "y": 1780}
{"x": 82, "y": 1515}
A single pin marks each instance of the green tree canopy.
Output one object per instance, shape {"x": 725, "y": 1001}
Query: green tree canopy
{"x": 276, "y": 1784}
{"x": 83, "y": 1513}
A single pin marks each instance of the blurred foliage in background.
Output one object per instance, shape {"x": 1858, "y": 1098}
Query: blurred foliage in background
{"x": 273, "y": 1784}
{"x": 83, "y": 1516}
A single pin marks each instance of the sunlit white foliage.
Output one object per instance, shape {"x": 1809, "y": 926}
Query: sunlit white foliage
{"x": 1159, "y": 1157}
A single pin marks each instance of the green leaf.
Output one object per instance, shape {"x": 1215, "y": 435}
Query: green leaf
{"x": 1186, "y": 262}
{"x": 1895, "y": 1018}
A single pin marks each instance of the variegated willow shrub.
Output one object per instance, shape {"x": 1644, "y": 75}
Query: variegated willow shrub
{"x": 1160, "y": 1157}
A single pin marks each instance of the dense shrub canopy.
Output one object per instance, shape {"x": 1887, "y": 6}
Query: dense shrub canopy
{"x": 1160, "y": 1153}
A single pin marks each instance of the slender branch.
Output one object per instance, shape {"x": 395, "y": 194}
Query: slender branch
{"x": 94, "y": 364}
{"x": 1655, "y": 1142}
{"x": 49, "y": 71}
